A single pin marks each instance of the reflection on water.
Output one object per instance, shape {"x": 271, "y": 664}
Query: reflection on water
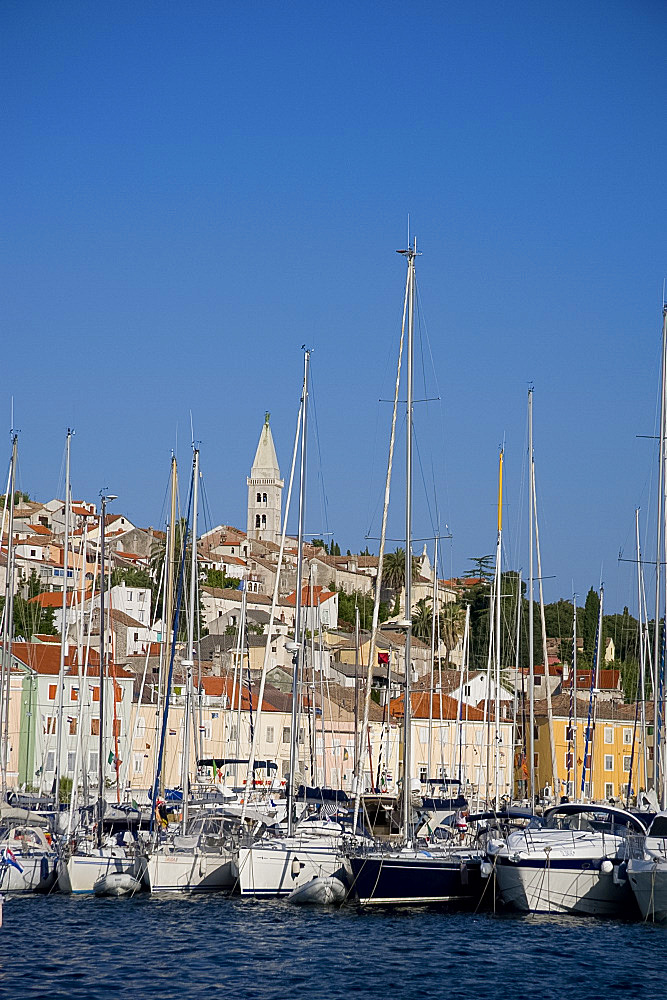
{"x": 228, "y": 948}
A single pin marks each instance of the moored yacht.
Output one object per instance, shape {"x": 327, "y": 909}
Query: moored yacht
{"x": 571, "y": 861}
{"x": 648, "y": 872}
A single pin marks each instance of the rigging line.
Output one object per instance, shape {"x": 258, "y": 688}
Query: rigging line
{"x": 421, "y": 469}
{"x": 422, "y": 326}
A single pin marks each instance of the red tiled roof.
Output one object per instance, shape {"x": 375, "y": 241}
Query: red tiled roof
{"x": 420, "y": 702}
{"x": 217, "y": 686}
{"x": 320, "y": 594}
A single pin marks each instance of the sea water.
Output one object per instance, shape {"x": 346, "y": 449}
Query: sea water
{"x": 228, "y": 948}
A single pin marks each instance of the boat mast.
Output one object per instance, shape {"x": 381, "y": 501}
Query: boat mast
{"x": 63, "y": 629}
{"x": 169, "y": 600}
{"x": 658, "y": 642}
{"x": 496, "y": 708}
{"x": 378, "y": 579}
{"x": 8, "y": 622}
{"x": 531, "y": 624}
{"x": 297, "y": 647}
{"x": 189, "y": 662}
{"x": 432, "y": 679}
{"x": 555, "y": 783}
{"x": 101, "y": 763}
{"x": 410, "y": 254}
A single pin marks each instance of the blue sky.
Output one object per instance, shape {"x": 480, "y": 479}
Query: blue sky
{"x": 190, "y": 192}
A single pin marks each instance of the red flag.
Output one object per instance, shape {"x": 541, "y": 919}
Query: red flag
{"x": 383, "y": 657}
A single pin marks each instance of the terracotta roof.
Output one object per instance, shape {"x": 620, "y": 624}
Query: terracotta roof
{"x": 606, "y": 680}
{"x": 55, "y": 599}
{"x": 320, "y": 594}
{"x": 420, "y": 702}
{"x": 217, "y": 686}
{"x": 40, "y": 529}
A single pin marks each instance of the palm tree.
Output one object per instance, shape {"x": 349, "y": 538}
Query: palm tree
{"x": 422, "y": 619}
{"x": 393, "y": 570}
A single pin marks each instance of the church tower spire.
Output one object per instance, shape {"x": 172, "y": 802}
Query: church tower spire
{"x": 265, "y": 490}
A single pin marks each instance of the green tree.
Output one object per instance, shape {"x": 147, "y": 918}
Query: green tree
{"x": 482, "y": 568}
{"x": 589, "y": 623}
{"x": 217, "y": 578}
{"x": 393, "y": 570}
{"x": 132, "y": 576}
{"x": 422, "y": 619}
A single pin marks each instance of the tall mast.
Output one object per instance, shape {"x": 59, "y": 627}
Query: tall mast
{"x": 545, "y": 653}
{"x": 378, "y": 579}
{"x": 434, "y": 631}
{"x": 189, "y": 662}
{"x": 63, "y": 629}
{"x": 8, "y": 623}
{"x": 497, "y": 628}
{"x": 659, "y": 560}
{"x": 531, "y": 624}
{"x": 297, "y": 648}
{"x": 101, "y": 763}
{"x": 410, "y": 253}
{"x": 169, "y": 600}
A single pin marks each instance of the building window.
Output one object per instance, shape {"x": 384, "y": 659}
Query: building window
{"x": 117, "y": 727}
{"x": 569, "y": 761}
{"x": 608, "y": 734}
{"x": 608, "y": 762}
{"x": 269, "y": 734}
{"x": 608, "y": 790}
{"x": 263, "y": 520}
{"x": 233, "y": 733}
{"x": 94, "y": 727}
{"x": 285, "y": 768}
{"x": 51, "y": 760}
{"x": 259, "y": 498}
{"x": 52, "y": 692}
{"x": 71, "y": 761}
{"x": 205, "y": 731}
{"x": 74, "y": 693}
{"x": 423, "y": 773}
{"x": 72, "y": 727}
{"x": 536, "y": 760}
{"x": 138, "y": 763}
{"x": 136, "y": 637}
{"x": 50, "y": 724}
{"x": 264, "y": 500}
{"x": 285, "y": 734}
{"x": 93, "y": 761}
{"x": 627, "y": 737}
{"x": 257, "y": 521}
{"x": 141, "y": 726}
{"x": 569, "y": 734}
{"x": 96, "y": 694}
{"x": 626, "y": 762}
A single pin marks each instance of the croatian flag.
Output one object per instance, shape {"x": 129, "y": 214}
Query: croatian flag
{"x": 10, "y": 859}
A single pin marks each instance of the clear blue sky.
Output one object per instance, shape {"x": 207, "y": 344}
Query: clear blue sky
{"x": 192, "y": 191}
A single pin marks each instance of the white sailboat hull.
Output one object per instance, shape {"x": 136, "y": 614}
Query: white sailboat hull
{"x": 648, "y": 880}
{"x": 81, "y": 872}
{"x": 36, "y": 871}
{"x": 188, "y": 871}
{"x": 277, "y": 868}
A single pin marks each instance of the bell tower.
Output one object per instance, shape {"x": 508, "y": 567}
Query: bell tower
{"x": 265, "y": 490}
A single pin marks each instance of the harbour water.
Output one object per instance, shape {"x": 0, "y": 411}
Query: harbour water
{"x": 149, "y": 948}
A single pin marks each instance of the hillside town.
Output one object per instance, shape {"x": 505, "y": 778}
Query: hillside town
{"x": 237, "y": 574}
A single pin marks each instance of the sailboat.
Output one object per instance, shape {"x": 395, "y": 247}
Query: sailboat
{"x": 198, "y": 857}
{"x": 91, "y": 858}
{"x": 276, "y": 866}
{"x": 413, "y": 873}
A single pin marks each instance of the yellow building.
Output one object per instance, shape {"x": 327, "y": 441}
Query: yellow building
{"x": 615, "y": 755}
